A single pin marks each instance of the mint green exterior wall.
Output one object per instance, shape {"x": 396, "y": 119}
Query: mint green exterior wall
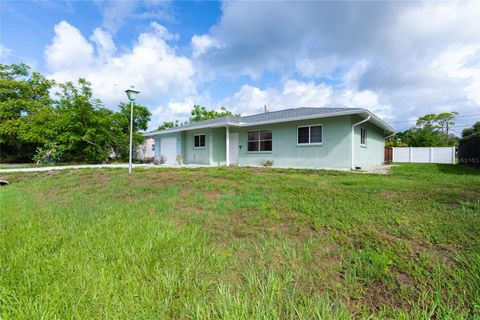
{"x": 212, "y": 154}
{"x": 334, "y": 152}
{"x": 373, "y": 153}
{"x": 197, "y": 155}
{"x": 219, "y": 147}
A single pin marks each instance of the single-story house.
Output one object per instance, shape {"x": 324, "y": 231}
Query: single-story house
{"x": 336, "y": 138}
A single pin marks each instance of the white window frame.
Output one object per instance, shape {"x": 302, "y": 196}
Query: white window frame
{"x": 257, "y": 130}
{"x": 309, "y": 136}
{"x": 365, "y": 142}
{"x": 200, "y": 134}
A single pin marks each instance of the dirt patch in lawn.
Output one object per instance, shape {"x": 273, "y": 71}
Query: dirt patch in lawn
{"x": 99, "y": 180}
{"x": 378, "y": 295}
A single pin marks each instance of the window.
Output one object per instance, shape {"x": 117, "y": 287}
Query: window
{"x": 199, "y": 141}
{"x": 153, "y": 146}
{"x": 310, "y": 134}
{"x": 260, "y": 140}
{"x": 363, "y": 137}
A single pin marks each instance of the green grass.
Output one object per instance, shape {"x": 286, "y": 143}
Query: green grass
{"x": 241, "y": 243}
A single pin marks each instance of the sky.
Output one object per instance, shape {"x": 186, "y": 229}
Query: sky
{"x": 399, "y": 59}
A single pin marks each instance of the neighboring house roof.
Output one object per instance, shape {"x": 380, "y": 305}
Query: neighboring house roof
{"x": 275, "y": 117}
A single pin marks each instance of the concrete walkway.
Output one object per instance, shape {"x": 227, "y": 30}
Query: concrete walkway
{"x": 383, "y": 169}
{"x": 94, "y": 166}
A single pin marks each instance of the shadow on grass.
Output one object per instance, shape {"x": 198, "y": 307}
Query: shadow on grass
{"x": 458, "y": 169}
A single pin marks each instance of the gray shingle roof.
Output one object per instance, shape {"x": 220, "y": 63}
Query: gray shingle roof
{"x": 291, "y": 113}
{"x": 273, "y": 116}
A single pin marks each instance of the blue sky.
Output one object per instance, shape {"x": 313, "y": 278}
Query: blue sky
{"x": 398, "y": 59}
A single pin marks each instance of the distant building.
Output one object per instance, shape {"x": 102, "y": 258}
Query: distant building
{"x": 146, "y": 150}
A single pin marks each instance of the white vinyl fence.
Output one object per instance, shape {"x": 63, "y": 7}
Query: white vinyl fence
{"x": 426, "y": 155}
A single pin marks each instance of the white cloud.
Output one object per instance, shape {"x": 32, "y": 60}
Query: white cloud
{"x": 462, "y": 64}
{"x": 294, "y": 94}
{"x": 314, "y": 68}
{"x": 4, "y": 52}
{"x": 297, "y": 94}
{"x": 104, "y": 43}
{"x": 365, "y": 99}
{"x": 201, "y": 44}
{"x": 151, "y": 65}
{"x": 69, "y": 49}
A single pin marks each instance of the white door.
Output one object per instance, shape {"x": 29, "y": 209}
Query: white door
{"x": 233, "y": 152}
{"x": 168, "y": 149}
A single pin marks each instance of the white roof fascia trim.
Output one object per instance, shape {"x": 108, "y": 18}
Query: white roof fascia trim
{"x": 173, "y": 130}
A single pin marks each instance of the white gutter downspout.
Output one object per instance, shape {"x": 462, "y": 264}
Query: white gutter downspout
{"x": 353, "y": 139}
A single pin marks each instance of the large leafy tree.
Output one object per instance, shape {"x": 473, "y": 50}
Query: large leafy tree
{"x": 91, "y": 132}
{"x": 71, "y": 126}
{"x": 25, "y": 110}
{"x": 83, "y": 125}
{"x": 121, "y": 127}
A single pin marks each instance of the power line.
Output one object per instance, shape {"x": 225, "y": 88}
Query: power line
{"x": 468, "y": 115}
{"x": 463, "y": 116}
{"x": 461, "y": 126}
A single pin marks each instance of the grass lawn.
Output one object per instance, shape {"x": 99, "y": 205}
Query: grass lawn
{"x": 241, "y": 243}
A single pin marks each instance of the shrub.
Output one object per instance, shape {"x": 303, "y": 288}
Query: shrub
{"x": 49, "y": 153}
{"x": 179, "y": 159}
{"x": 161, "y": 160}
{"x": 267, "y": 163}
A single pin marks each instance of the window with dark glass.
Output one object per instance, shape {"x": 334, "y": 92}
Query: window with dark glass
{"x": 199, "y": 141}
{"x": 363, "y": 136}
{"x": 303, "y": 134}
{"x": 310, "y": 134}
{"x": 260, "y": 140}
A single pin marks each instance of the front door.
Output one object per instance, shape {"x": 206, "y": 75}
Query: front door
{"x": 233, "y": 152}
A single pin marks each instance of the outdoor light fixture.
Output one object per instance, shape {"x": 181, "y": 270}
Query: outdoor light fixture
{"x": 131, "y": 94}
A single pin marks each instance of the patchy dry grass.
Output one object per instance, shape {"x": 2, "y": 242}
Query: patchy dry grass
{"x": 241, "y": 243}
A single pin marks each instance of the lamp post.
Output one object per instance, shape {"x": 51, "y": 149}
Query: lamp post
{"x": 131, "y": 94}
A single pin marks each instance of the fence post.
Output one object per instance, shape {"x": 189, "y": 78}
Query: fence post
{"x": 453, "y": 155}
{"x": 410, "y": 157}
{"x": 430, "y": 158}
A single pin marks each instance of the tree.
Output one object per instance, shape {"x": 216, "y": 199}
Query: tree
{"x": 200, "y": 113}
{"x": 83, "y": 125}
{"x": 472, "y": 132}
{"x": 141, "y": 117}
{"x": 73, "y": 126}
{"x": 24, "y": 103}
{"x": 445, "y": 119}
{"x": 431, "y": 130}
{"x": 168, "y": 125}
{"x": 397, "y": 140}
